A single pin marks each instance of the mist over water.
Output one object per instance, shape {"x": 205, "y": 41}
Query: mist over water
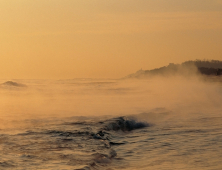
{"x": 120, "y": 124}
{"x": 87, "y": 97}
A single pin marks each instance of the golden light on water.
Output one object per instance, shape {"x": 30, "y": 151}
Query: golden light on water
{"x": 63, "y": 104}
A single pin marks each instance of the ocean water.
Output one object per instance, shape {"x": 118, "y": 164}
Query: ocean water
{"x": 105, "y": 124}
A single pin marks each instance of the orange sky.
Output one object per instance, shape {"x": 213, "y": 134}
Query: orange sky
{"x": 60, "y": 39}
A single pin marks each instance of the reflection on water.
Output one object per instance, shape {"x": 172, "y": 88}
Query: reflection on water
{"x": 172, "y": 123}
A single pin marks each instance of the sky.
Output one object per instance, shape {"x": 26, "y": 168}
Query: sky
{"x": 65, "y": 39}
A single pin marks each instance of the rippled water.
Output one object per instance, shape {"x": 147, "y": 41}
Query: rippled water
{"x": 111, "y": 124}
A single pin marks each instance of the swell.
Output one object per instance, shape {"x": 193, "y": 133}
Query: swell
{"x": 80, "y": 145}
{"x": 12, "y": 84}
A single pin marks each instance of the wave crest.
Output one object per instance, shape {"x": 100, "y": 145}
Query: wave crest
{"x": 125, "y": 124}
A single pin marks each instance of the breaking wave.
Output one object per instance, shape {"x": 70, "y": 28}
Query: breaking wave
{"x": 124, "y": 124}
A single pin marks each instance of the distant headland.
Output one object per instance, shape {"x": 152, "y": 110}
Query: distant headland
{"x": 201, "y": 67}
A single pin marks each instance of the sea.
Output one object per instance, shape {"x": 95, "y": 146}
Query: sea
{"x": 159, "y": 123}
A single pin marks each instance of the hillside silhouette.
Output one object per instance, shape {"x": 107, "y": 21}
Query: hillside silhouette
{"x": 202, "y": 67}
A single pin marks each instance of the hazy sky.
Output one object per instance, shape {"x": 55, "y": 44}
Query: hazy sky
{"x": 104, "y": 38}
